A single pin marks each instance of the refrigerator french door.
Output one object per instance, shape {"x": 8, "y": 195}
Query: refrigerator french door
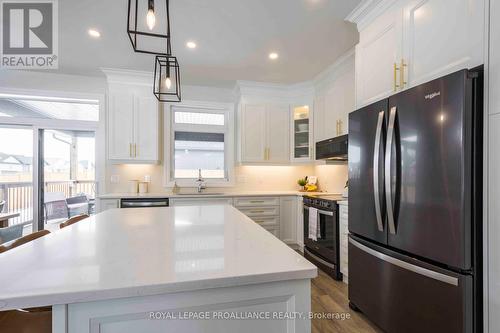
{"x": 414, "y": 207}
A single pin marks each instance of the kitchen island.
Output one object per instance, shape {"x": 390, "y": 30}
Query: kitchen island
{"x": 172, "y": 269}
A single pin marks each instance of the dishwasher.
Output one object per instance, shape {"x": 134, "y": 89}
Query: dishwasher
{"x": 143, "y": 202}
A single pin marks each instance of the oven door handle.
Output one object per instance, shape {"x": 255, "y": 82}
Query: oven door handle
{"x": 324, "y": 262}
{"x": 322, "y": 212}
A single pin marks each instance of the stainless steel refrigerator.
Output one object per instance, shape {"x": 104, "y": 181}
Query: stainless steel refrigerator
{"x": 415, "y": 201}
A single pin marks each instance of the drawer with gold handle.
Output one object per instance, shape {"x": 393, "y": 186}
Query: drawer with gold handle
{"x": 267, "y": 221}
{"x": 262, "y": 211}
{"x": 256, "y": 201}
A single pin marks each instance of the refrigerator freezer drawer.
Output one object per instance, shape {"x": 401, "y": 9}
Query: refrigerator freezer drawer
{"x": 401, "y": 294}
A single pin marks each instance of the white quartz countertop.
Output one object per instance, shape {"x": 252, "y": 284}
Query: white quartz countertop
{"x": 146, "y": 251}
{"x": 207, "y": 194}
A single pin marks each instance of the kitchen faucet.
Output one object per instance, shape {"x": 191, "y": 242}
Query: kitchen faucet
{"x": 201, "y": 182}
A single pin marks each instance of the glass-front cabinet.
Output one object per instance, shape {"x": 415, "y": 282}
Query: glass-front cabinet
{"x": 302, "y": 138}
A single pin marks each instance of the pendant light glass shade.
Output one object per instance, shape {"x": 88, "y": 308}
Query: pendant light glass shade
{"x": 167, "y": 80}
{"x": 148, "y": 26}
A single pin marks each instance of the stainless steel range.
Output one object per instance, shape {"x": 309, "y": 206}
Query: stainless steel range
{"x": 321, "y": 243}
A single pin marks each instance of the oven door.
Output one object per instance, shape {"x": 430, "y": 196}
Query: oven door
{"x": 326, "y": 246}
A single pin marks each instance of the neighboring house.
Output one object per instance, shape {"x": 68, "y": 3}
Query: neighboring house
{"x": 10, "y": 163}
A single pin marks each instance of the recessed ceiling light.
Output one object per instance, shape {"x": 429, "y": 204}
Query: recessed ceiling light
{"x": 273, "y": 55}
{"x": 94, "y": 33}
{"x": 191, "y": 45}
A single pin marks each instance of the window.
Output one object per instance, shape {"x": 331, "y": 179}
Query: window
{"x": 203, "y": 151}
{"x": 201, "y": 140}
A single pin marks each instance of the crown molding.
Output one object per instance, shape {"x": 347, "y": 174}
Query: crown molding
{"x": 274, "y": 92}
{"x": 361, "y": 10}
{"x": 367, "y": 11}
{"x": 126, "y": 76}
{"x": 330, "y": 72}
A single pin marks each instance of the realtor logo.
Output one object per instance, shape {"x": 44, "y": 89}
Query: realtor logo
{"x": 29, "y": 34}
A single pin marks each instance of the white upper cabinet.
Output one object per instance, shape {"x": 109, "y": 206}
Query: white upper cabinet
{"x": 253, "y": 132}
{"x": 378, "y": 55}
{"x": 264, "y": 133}
{"x": 278, "y": 133}
{"x": 440, "y": 37}
{"x": 120, "y": 126}
{"x": 302, "y": 134}
{"x": 334, "y": 99}
{"x": 132, "y": 127}
{"x": 146, "y": 129}
{"x": 408, "y": 42}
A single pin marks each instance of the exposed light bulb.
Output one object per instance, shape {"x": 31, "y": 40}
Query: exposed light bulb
{"x": 151, "y": 19}
{"x": 168, "y": 83}
{"x": 94, "y": 33}
{"x": 273, "y": 55}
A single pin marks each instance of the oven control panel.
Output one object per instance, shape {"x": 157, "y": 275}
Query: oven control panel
{"x": 320, "y": 203}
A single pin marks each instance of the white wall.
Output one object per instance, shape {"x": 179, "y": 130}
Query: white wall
{"x": 492, "y": 162}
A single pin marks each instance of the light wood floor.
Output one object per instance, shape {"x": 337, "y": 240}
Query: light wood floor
{"x": 330, "y": 296}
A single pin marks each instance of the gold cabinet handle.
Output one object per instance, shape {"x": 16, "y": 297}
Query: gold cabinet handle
{"x": 268, "y": 153}
{"x": 130, "y": 149}
{"x": 396, "y": 69}
{"x": 257, "y": 211}
{"x": 340, "y": 127}
{"x": 402, "y": 81}
{"x": 135, "y": 150}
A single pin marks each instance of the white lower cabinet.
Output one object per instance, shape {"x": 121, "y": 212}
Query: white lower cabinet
{"x": 176, "y": 202}
{"x": 263, "y": 210}
{"x": 344, "y": 232}
{"x": 288, "y": 218}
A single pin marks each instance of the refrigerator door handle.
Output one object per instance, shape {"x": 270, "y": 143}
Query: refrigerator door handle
{"x": 376, "y": 155}
{"x": 407, "y": 266}
{"x": 387, "y": 166}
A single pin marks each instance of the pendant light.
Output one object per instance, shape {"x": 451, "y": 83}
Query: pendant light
{"x": 148, "y": 26}
{"x": 167, "y": 80}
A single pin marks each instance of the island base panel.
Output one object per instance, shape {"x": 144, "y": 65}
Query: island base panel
{"x": 135, "y": 314}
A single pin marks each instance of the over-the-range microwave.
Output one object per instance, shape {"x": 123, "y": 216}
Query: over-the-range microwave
{"x": 334, "y": 149}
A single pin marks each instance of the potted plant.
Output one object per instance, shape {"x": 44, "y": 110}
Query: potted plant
{"x": 302, "y": 182}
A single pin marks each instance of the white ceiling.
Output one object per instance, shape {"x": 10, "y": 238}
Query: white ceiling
{"x": 234, "y": 38}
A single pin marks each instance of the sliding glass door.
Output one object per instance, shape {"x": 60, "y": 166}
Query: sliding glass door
{"x": 16, "y": 182}
{"x": 47, "y": 162}
{"x": 68, "y": 181}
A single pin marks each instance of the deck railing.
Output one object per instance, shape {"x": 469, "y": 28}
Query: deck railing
{"x": 18, "y": 196}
